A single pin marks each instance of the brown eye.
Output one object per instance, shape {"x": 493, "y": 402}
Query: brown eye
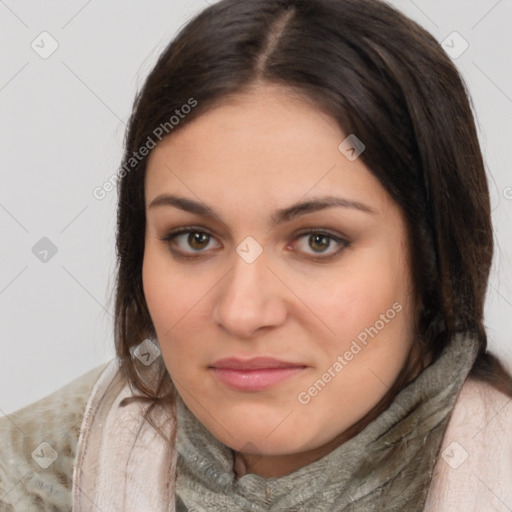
{"x": 197, "y": 240}
{"x": 188, "y": 242}
{"x": 319, "y": 242}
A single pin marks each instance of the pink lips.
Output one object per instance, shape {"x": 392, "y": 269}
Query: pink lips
{"x": 254, "y": 374}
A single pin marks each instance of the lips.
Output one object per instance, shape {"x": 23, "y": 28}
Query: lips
{"x": 256, "y": 363}
{"x": 254, "y": 374}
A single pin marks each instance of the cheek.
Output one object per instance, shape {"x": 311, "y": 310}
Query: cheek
{"x": 372, "y": 324}
{"x": 368, "y": 311}
{"x": 176, "y": 302}
{"x": 355, "y": 300}
{"x": 170, "y": 294}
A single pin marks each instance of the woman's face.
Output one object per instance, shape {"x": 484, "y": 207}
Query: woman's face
{"x": 289, "y": 249}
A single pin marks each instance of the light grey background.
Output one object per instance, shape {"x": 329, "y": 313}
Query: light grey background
{"x": 62, "y": 126}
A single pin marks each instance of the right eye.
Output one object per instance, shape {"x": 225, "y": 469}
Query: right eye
{"x": 188, "y": 238}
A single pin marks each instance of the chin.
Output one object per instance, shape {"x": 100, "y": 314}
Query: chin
{"x": 257, "y": 437}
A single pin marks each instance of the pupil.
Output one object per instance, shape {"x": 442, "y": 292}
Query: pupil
{"x": 317, "y": 238}
{"x": 197, "y": 238}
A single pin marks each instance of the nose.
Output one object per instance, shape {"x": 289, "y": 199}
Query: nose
{"x": 249, "y": 299}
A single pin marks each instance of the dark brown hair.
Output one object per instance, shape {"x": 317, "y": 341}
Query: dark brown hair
{"x": 383, "y": 78}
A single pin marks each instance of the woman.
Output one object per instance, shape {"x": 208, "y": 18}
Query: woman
{"x": 304, "y": 243}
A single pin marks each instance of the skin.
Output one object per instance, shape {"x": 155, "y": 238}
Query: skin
{"x": 255, "y": 153}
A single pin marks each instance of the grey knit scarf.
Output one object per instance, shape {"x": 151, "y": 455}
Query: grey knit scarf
{"x": 386, "y": 467}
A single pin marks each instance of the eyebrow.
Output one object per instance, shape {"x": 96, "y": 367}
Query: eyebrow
{"x": 280, "y": 216}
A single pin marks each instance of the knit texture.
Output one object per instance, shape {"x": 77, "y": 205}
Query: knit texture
{"x": 38, "y": 447}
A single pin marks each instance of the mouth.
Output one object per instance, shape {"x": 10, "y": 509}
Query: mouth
{"x": 254, "y": 374}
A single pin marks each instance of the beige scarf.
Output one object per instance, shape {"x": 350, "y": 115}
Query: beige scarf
{"x": 123, "y": 464}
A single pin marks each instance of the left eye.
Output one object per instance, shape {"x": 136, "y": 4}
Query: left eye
{"x": 320, "y": 242}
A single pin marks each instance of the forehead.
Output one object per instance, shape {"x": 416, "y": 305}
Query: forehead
{"x": 264, "y": 146}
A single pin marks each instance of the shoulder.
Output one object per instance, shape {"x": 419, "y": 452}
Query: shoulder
{"x": 38, "y": 445}
{"x": 474, "y": 468}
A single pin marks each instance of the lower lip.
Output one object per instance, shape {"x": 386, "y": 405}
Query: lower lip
{"x": 255, "y": 380}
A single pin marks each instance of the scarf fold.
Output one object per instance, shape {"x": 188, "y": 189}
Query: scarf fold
{"x": 387, "y": 466}
{"x": 123, "y": 465}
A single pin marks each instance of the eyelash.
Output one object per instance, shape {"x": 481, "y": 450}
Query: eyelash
{"x": 169, "y": 238}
